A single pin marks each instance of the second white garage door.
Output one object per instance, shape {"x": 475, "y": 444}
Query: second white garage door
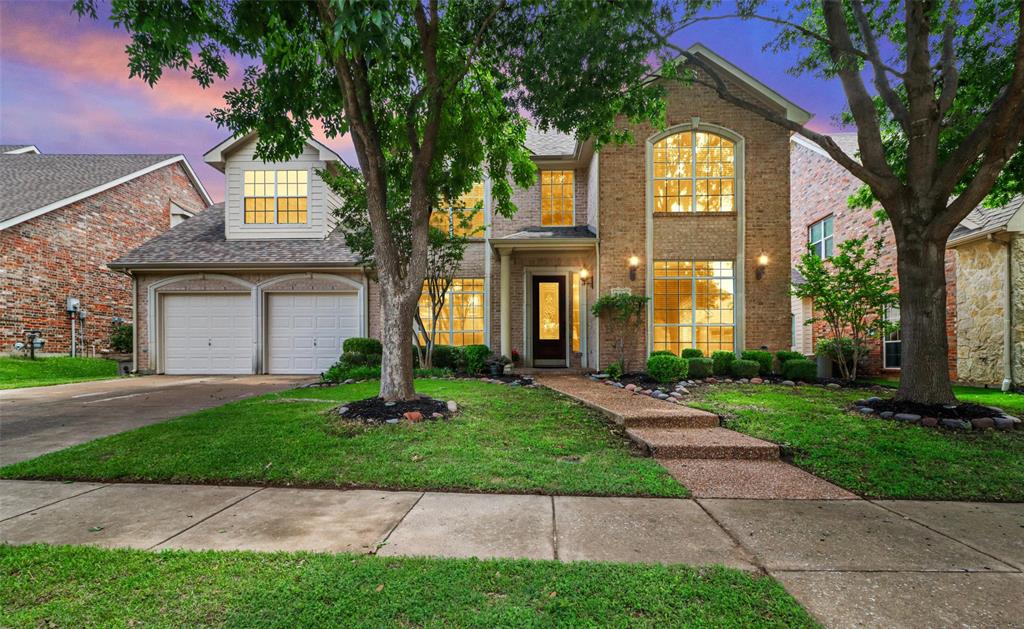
{"x": 305, "y": 331}
{"x": 207, "y": 334}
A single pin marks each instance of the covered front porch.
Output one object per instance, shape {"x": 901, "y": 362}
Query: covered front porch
{"x": 545, "y": 279}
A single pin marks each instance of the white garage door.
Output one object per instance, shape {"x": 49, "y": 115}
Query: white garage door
{"x": 305, "y": 330}
{"x": 207, "y": 334}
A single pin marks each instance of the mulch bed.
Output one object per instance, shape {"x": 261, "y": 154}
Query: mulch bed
{"x": 375, "y": 411}
{"x": 640, "y": 379}
{"x": 957, "y": 411}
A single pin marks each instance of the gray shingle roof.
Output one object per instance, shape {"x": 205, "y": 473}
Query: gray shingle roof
{"x": 199, "y": 241}
{"x": 549, "y": 143}
{"x": 34, "y": 181}
{"x": 540, "y": 233}
{"x": 985, "y": 220}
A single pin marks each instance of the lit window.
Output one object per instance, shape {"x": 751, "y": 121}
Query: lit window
{"x": 575, "y": 312}
{"x": 556, "y": 197}
{"x": 461, "y": 321}
{"x": 892, "y": 347}
{"x": 819, "y": 237}
{"x": 694, "y": 305}
{"x": 465, "y": 217}
{"x": 275, "y": 196}
{"x": 695, "y": 171}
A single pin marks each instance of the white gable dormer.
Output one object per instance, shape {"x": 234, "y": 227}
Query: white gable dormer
{"x": 273, "y": 200}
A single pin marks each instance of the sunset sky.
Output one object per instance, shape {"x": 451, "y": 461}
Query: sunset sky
{"x": 64, "y": 87}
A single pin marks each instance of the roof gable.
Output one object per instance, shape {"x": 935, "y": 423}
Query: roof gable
{"x": 217, "y": 156}
{"x": 36, "y": 184}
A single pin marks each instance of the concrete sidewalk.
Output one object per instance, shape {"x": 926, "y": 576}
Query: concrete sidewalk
{"x": 850, "y": 562}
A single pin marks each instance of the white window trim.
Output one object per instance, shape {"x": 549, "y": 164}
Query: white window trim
{"x": 449, "y": 334}
{"x": 811, "y": 243}
{"x": 540, "y": 189}
{"x": 739, "y": 190}
{"x": 693, "y": 178}
{"x": 886, "y": 342}
{"x": 309, "y": 187}
{"x": 693, "y": 302}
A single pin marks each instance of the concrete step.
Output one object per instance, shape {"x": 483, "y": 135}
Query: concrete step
{"x": 702, "y": 443}
{"x": 680, "y": 417}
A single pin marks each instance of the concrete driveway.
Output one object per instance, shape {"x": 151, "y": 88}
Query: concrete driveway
{"x": 43, "y": 419}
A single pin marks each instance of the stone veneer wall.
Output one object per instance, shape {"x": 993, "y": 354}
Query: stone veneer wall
{"x": 981, "y": 304}
{"x": 1017, "y": 277}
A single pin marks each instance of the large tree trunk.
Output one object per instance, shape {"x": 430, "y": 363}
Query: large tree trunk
{"x": 925, "y": 373}
{"x": 396, "y": 337}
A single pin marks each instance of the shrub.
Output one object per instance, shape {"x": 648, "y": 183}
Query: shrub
{"x": 435, "y": 372}
{"x": 446, "y": 357}
{"x": 785, "y": 356}
{"x": 743, "y": 368}
{"x": 666, "y": 368}
{"x": 362, "y": 345}
{"x": 800, "y": 369}
{"x": 339, "y": 372}
{"x": 691, "y": 352}
{"x": 762, "y": 357}
{"x": 121, "y": 338}
{"x": 663, "y": 352}
{"x": 614, "y": 370}
{"x": 700, "y": 367}
{"x": 475, "y": 358}
{"x": 842, "y": 352}
{"x": 722, "y": 363}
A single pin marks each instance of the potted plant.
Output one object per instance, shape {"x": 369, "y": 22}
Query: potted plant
{"x": 497, "y": 365}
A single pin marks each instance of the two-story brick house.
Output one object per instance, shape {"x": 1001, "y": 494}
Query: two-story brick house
{"x": 694, "y": 216}
{"x": 62, "y": 218}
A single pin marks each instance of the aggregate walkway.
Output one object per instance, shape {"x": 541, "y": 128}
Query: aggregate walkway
{"x": 849, "y": 562}
{"x": 712, "y": 462}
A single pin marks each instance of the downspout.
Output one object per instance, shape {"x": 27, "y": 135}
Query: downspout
{"x": 1008, "y": 320}
{"x": 135, "y": 320}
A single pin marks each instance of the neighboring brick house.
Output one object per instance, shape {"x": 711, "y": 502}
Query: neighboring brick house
{"x": 62, "y": 218}
{"x": 694, "y": 216}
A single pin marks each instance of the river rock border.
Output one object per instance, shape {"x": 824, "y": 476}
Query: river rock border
{"x": 998, "y": 420}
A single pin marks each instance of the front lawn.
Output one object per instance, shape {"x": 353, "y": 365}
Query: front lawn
{"x": 17, "y": 372}
{"x": 504, "y": 439}
{"x": 1012, "y": 403}
{"x": 45, "y": 586}
{"x": 871, "y": 456}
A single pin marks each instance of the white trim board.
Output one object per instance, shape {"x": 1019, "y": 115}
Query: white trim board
{"x": 56, "y": 205}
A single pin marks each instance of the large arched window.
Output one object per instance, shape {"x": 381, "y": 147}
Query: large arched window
{"x": 694, "y": 171}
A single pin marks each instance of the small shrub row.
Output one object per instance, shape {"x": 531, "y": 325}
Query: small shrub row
{"x": 745, "y": 368}
{"x": 666, "y": 367}
{"x": 800, "y": 369}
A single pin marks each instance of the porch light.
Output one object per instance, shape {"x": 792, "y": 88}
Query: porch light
{"x": 585, "y": 278}
{"x": 634, "y": 263}
{"x": 762, "y": 265}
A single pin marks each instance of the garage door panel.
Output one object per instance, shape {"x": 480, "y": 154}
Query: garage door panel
{"x": 207, "y": 334}
{"x": 306, "y": 330}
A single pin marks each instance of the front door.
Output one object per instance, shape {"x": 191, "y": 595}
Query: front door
{"x": 548, "y": 320}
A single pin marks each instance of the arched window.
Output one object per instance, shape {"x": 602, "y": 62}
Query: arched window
{"x": 695, "y": 171}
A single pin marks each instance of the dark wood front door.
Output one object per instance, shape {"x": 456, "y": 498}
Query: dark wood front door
{"x": 549, "y": 319}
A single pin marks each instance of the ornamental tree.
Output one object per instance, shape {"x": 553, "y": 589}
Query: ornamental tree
{"x": 851, "y": 296}
{"x": 622, "y": 318}
{"x": 936, "y": 91}
{"x": 433, "y": 94}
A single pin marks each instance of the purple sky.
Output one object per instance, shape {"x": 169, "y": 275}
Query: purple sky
{"x": 64, "y": 87}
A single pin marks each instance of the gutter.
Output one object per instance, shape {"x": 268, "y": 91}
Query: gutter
{"x": 226, "y": 266}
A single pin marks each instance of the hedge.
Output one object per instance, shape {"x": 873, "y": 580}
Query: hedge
{"x": 722, "y": 363}
{"x": 803, "y": 369}
{"x": 744, "y": 368}
{"x": 666, "y": 368}
{"x": 700, "y": 367}
{"x": 761, "y": 357}
{"x": 691, "y": 352}
{"x": 362, "y": 345}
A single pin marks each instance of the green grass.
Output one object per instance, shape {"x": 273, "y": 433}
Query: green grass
{"x": 45, "y": 586}
{"x": 871, "y": 456}
{"x": 1010, "y": 402}
{"x": 17, "y": 372}
{"x": 504, "y": 439}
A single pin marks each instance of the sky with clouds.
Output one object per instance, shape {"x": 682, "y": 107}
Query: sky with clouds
{"x": 64, "y": 87}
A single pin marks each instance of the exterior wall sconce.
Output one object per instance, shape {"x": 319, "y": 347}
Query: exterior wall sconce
{"x": 634, "y": 263}
{"x": 585, "y": 278}
{"x": 762, "y": 266}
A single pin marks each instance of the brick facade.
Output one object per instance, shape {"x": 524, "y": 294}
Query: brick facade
{"x": 64, "y": 253}
{"x": 820, "y": 188}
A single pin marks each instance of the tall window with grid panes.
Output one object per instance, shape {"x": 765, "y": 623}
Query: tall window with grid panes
{"x": 694, "y": 305}
{"x": 461, "y": 321}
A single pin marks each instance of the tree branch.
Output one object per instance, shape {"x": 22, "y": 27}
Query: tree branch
{"x": 950, "y": 75}
{"x": 881, "y": 80}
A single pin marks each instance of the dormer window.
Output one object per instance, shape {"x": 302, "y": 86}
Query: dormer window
{"x": 276, "y": 196}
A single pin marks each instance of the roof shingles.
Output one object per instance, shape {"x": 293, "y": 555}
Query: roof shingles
{"x": 200, "y": 242}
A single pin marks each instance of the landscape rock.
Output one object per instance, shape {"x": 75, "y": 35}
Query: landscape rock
{"x": 907, "y": 417}
{"x": 350, "y": 381}
{"x": 600, "y": 376}
{"x": 756, "y": 381}
{"x": 452, "y": 406}
{"x": 865, "y": 410}
{"x": 956, "y": 424}
{"x": 832, "y": 385}
{"x": 393, "y": 420}
{"x": 675, "y": 394}
{"x": 342, "y": 410}
{"x": 413, "y": 416}
{"x": 631, "y": 387}
{"x": 683, "y": 391}
{"x": 873, "y": 400}
{"x": 711, "y": 380}
{"x": 930, "y": 422}
{"x": 788, "y": 383}
{"x": 617, "y": 385}
{"x": 389, "y": 403}
{"x": 1003, "y": 423}
{"x": 983, "y": 422}
{"x": 886, "y": 414}
{"x": 743, "y": 381}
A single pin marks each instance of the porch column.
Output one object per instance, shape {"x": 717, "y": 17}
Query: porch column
{"x": 505, "y": 305}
